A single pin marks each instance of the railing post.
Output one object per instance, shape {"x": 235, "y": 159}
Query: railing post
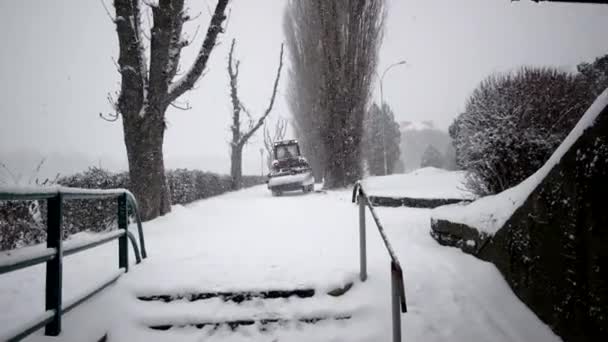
{"x": 123, "y": 247}
{"x": 395, "y": 303}
{"x": 54, "y": 267}
{"x": 362, "y": 243}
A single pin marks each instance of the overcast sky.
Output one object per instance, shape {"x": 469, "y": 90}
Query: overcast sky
{"x": 56, "y": 68}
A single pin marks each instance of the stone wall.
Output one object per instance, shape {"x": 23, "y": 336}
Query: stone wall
{"x": 380, "y": 201}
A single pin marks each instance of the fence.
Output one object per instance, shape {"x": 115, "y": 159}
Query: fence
{"x": 56, "y": 250}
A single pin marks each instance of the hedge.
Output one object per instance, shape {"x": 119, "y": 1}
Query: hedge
{"x": 23, "y": 223}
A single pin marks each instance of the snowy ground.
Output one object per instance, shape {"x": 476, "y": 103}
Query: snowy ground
{"x": 428, "y": 182}
{"x": 249, "y": 240}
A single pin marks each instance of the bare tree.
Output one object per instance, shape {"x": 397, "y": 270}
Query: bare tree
{"x": 149, "y": 87}
{"x": 278, "y": 134}
{"x": 240, "y": 137}
{"x": 333, "y": 49}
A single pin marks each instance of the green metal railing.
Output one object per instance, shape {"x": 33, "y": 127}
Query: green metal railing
{"x": 398, "y": 302}
{"x": 56, "y": 249}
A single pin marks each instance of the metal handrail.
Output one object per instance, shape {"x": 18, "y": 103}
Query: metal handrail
{"x": 56, "y": 250}
{"x": 398, "y": 300}
{"x": 68, "y": 193}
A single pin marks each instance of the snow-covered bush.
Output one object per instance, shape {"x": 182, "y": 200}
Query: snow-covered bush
{"x": 23, "y": 223}
{"x": 596, "y": 73}
{"x": 20, "y": 224}
{"x": 190, "y": 185}
{"x": 513, "y": 122}
{"x": 92, "y": 215}
{"x": 187, "y": 186}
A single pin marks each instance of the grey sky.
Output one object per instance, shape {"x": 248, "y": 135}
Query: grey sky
{"x": 56, "y": 69}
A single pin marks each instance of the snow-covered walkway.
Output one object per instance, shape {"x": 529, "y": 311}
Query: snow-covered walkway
{"x": 251, "y": 241}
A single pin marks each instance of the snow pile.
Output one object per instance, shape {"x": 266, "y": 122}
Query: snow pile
{"x": 425, "y": 183}
{"x": 490, "y": 213}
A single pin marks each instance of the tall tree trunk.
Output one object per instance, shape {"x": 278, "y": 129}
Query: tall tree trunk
{"x": 236, "y": 166}
{"x": 149, "y": 84}
{"x": 146, "y": 164}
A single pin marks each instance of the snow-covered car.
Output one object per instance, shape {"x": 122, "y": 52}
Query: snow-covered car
{"x": 290, "y": 171}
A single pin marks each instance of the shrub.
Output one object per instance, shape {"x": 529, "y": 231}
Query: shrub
{"x": 92, "y": 215}
{"x": 20, "y": 224}
{"x": 513, "y": 122}
{"x": 23, "y": 223}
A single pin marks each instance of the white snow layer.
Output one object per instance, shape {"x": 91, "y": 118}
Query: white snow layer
{"x": 303, "y": 178}
{"x": 249, "y": 240}
{"x": 489, "y": 214}
{"x": 427, "y": 183}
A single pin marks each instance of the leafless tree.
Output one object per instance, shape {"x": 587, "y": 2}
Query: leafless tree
{"x": 278, "y": 134}
{"x": 150, "y": 83}
{"x": 333, "y": 47}
{"x": 240, "y": 136}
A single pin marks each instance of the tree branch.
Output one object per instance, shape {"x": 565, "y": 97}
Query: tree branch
{"x": 181, "y": 107}
{"x": 110, "y": 117}
{"x": 140, "y": 52}
{"x": 233, "y": 72}
{"x": 187, "y": 81}
{"x": 107, "y": 11}
{"x": 165, "y": 44}
{"x": 260, "y": 122}
{"x": 280, "y": 128}
{"x": 130, "y": 60}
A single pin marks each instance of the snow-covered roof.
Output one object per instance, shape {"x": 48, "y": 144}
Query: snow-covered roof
{"x": 416, "y": 125}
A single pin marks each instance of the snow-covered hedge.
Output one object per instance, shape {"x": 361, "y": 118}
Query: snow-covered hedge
{"x": 191, "y": 185}
{"x": 513, "y": 122}
{"x": 20, "y": 224}
{"x": 23, "y": 223}
{"x": 491, "y": 213}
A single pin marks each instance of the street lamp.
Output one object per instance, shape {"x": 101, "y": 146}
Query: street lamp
{"x": 384, "y": 113}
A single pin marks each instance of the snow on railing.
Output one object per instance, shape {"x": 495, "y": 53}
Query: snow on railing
{"x": 55, "y": 250}
{"x": 24, "y": 257}
{"x": 398, "y": 302}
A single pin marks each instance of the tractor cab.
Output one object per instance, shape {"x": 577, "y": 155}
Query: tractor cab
{"x": 290, "y": 171}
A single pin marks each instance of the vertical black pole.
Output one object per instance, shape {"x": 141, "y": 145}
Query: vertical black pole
{"x": 54, "y": 267}
{"x": 395, "y": 303}
{"x": 123, "y": 247}
{"x": 362, "y": 243}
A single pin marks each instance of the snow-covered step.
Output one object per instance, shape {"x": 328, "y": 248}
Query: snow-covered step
{"x": 241, "y": 296}
{"x": 236, "y": 297}
{"x": 261, "y": 323}
{"x": 261, "y": 311}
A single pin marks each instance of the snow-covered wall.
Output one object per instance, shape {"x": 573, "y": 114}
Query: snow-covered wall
{"x": 548, "y": 235}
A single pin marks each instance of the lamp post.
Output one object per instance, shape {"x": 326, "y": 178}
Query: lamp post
{"x": 384, "y": 113}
